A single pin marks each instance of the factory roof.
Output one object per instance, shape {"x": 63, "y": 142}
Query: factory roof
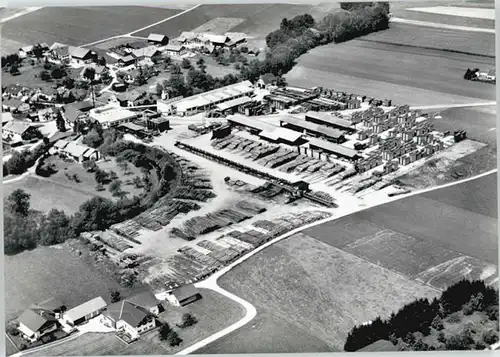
{"x": 233, "y": 103}
{"x": 111, "y": 114}
{"x": 281, "y": 133}
{"x": 329, "y": 119}
{"x": 132, "y": 126}
{"x": 334, "y": 148}
{"x": 333, "y": 133}
{"x": 251, "y": 123}
{"x": 220, "y": 94}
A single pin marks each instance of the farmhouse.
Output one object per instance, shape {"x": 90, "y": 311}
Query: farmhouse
{"x": 109, "y": 116}
{"x": 79, "y": 55}
{"x": 183, "y": 295}
{"x": 20, "y": 128}
{"x": 85, "y": 311}
{"x": 312, "y": 129}
{"x": 126, "y": 60}
{"x": 332, "y": 148}
{"x": 174, "y": 49}
{"x": 235, "y": 38}
{"x": 75, "y": 151}
{"x": 205, "y": 101}
{"x": 26, "y": 51}
{"x": 157, "y": 39}
{"x": 34, "y": 323}
{"x": 267, "y": 81}
{"x": 130, "y": 99}
{"x": 146, "y": 54}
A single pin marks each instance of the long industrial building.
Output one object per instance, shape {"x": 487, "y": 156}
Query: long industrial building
{"x": 266, "y": 131}
{"x": 309, "y": 128}
{"x": 329, "y": 120}
{"x": 331, "y": 148}
{"x": 206, "y": 101}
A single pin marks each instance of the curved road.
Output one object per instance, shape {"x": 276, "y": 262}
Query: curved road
{"x": 251, "y": 312}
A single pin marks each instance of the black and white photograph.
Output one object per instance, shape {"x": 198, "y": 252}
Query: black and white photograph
{"x": 249, "y": 177}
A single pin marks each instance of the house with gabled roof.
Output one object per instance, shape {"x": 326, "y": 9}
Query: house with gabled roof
{"x": 183, "y": 295}
{"x": 135, "y": 315}
{"x": 34, "y": 323}
{"x": 76, "y": 151}
{"x": 84, "y": 312}
{"x": 79, "y": 55}
{"x": 174, "y": 49}
{"x": 157, "y": 39}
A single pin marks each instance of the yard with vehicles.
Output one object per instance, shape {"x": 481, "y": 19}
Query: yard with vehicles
{"x": 80, "y": 25}
{"x": 436, "y": 76}
{"x": 316, "y": 288}
{"x": 213, "y": 313}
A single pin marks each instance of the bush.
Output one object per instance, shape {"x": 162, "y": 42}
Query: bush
{"x": 490, "y": 337}
{"x": 441, "y": 338}
{"x": 187, "y": 320}
{"x": 164, "y": 331}
{"x": 174, "y": 339}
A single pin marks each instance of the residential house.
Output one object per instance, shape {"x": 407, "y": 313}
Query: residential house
{"x": 19, "y": 128}
{"x": 59, "y": 52}
{"x": 126, "y": 60}
{"x": 51, "y": 304}
{"x": 129, "y": 317}
{"x": 157, "y": 39}
{"x": 25, "y": 51}
{"x": 75, "y": 151}
{"x": 74, "y": 111}
{"x": 174, "y": 49}
{"x": 187, "y": 38}
{"x": 11, "y": 105}
{"x": 84, "y": 312}
{"x": 218, "y": 41}
{"x": 183, "y": 295}
{"x": 146, "y": 55}
{"x": 235, "y": 38}
{"x": 15, "y": 91}
{"x": 148, "y": 301}
{"x": 131, "y": 98}
{"x": 267, "y": 81}
{"x": 34, "y": 323}
{"x": 79, "y": 55}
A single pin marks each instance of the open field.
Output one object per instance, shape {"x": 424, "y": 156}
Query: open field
{"x": 30, "y": 77}
{"x": 10, "y": 46}
{"x": 461, "y": 218}
{"x": 46, "y": 195}
{"x": 214, "y": 312}
{"x": 478, "y": 13}
{"x": 80, "y": 25}
{"x": 319, "y": 289}
{"x": 35, "y": 276}
{"x": 434, "y": 38}
{"x": 260, "y": 19}
{"x": 219, "y": 25}
{"x": 268, "y": 333}
{"x": 383, "y": 70}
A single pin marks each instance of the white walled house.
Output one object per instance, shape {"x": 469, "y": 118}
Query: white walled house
{"x": 36, "y": 323}
{"x": 183, "y": 295}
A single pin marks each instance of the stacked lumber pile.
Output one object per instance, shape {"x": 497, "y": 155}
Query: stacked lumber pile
{"x": 326, "y": 198}
{"x": 301, "y": 159}
{"x": 235, "y": 244}
{"x": 129, "y": 229}
{"x": 200, "y": 258}
{"x": 193, "y": 193}
{"x": 268, "y": 190}
{"x": 113, "y": 240}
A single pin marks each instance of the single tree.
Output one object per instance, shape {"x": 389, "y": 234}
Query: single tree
{"x": 115, "y": 296}
{"x": 14, "y": 70}
{"x": 115, "y": 188}
{"x": 45, "y": 75}
{"x": 18, "y": 202}
{"x": 89, "y": 73}
{"x": 164, "y": 331}
{"x": 188, "y": 320}
{"x": 58, "y": 72}
{"x": 112, "y": 175}
{"x": 186, "y": 64}
{"x": 123, "y": 165}
{"x": 174, "y": 339}
{"x": 101, "y": 176}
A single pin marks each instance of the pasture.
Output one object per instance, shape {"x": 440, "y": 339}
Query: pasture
{"x": 405, "y": 74}
{"x": 213, "y": 312}
{"x": 80, "y": 25}
{"x": 46, "y": 195}
{"x": 434, "y": 38}
{"x": 219, "y": 25}
{"x": 37, "y": 275}
{"x": 319, "y": 289}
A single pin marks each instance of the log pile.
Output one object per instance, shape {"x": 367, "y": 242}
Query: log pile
{"x": 113, "y": 240}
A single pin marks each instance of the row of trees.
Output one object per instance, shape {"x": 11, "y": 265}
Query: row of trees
{"x": 422, "y": 315}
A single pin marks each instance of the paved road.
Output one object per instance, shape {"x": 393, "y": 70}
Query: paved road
{"x": 21, "y": 13}
{"x": 446, "y": 106}
{"x": 441, "y": 26}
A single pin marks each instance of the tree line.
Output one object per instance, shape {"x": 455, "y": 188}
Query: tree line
{"x": 25, "y": 229}
{"x": 422, "y": 315}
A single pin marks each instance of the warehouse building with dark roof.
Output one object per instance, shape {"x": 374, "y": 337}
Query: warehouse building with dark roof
{"x": 330, "y": 120}
{"x": 330, "y": 134}
{"x": 335, "y": 149}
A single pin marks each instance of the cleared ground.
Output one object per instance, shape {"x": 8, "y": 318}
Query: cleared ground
{"x": 408, "y": 75}
{"x": 80, "y": 25}
{"x": 434, "y": 38}
{"x": 318, "y": 289}
{"x": 35, "y": 276}
{"x": 214, "y": 312}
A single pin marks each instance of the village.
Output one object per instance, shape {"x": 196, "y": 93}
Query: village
{"x": 315, "y": 145}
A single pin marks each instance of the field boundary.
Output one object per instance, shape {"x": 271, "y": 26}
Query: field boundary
{"x": 442, "y": 26}
{"x": 425, "y": 47}
{"x": 211, "y": 282}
